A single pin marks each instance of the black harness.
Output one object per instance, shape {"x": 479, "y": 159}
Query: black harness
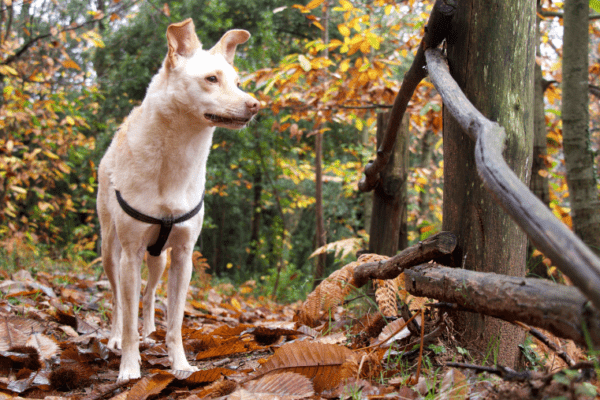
{"x": 166, "y": 224}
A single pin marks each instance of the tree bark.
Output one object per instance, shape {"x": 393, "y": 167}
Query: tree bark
{"x": 579, "y": 158}
{"x": 491, "y": 53}
{"x": 388, "y": 218}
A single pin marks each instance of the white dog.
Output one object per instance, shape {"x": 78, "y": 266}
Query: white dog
{"x": 151, "y": 184}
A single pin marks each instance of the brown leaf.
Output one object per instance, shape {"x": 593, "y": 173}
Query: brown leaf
{"x": 317, "y": 361}
{"x": 36, "y": 379}
{"x": 150, "y": 385}
{"x": 227, "y": 349}
{"x": 14, "y": 331}
{"x": 204, "y": 376}
{"x": 267, "y": 336}
{"x": 284, "y": 386}
{"x": 227, "y": 331}
{"x": 394, "y": 331}
{"x": 454, "y": 386}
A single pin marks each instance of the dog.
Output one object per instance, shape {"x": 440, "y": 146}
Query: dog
{"x": 151, "y": 184}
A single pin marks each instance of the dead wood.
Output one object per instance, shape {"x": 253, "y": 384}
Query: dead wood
{"x": 559, "y": 309}
{"x": 435, "y": 32}
{"x": 549, "y": 235}
{"x": 434, "y": 247}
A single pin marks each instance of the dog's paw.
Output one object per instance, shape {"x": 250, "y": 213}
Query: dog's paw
{"x": 148, "y": 331}
{"x": 114, "y": 343}
{"x": 188, "y": 367}
{"x": 147, "y": 340}
{"x": 127, "y": 372}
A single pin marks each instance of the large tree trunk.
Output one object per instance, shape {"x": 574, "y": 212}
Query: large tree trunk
{"x": 491, "y": 53}
{"x": 579, "y": 159}
{"x": 388, "y": 219}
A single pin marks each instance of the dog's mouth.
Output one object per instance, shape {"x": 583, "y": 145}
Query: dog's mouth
{"x": 225, "y": 121}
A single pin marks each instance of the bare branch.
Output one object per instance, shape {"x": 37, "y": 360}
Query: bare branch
{"x": 552, "y": 14}
{"x": 36, "y": 39}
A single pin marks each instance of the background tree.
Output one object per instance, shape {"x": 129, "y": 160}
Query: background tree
{"x": 487, "y": 237}
{"x": 579, "y": 157}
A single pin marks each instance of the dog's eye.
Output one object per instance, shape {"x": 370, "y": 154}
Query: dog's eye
{"x": 212, "y": 79}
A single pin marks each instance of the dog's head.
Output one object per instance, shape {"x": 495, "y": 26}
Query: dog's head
{"x": 205, "y": 83}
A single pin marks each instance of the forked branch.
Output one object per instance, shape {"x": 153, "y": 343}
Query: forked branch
{"x": 435, "y": 32}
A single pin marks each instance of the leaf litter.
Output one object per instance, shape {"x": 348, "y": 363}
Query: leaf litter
{"x": 54, "y": 330}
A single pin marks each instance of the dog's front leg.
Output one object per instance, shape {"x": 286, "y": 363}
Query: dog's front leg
{"x": 130, "y": 292}
{"x": 180, "y": 274}
{"x": 156, "y": 267}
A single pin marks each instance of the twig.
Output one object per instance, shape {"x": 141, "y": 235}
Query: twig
{"x": 422, "y": 345}
{"x": 542, "y": 338}
{"x": 438, "y": 245}
{"x": 505, "y": 373}
{"x": 552, "y": 14}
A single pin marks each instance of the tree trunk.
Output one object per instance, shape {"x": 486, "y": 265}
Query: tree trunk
{"x": 425, "y": 159}
{"x": 491, "y": 54}
{"x": 388, "y": 219}
{"x": 579, "y": 158}
{"x": 320, "y": 225}
{"x": 539, "y": 181}
{"x": 256, "y": 219}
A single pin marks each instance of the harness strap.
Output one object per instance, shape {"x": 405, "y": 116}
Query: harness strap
{"x": 166, "y": 224}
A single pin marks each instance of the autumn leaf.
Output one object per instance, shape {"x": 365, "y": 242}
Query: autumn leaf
{"x": 70, "y": 64}
{"x": 314, "y": 4}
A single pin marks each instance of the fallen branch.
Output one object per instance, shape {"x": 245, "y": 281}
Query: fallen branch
{"x": 559, "y": 309}
{"x": 548, "y": 234}
{"x": 435, "y": 31}
{"x": 436, "y": 246}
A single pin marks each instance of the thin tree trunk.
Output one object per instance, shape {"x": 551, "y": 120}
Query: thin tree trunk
{"x": 424, "y": 162}
{"x": 579, "y": 158}
{"x": 388, "y": 219}
{"x": 320, "y": 225}
{"x": 491, "y": 54}
{"x": 256, "y": 220}
{"x": 539, "y": 180}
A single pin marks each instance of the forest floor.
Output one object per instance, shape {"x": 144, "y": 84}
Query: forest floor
{"x": 54, "y": 329}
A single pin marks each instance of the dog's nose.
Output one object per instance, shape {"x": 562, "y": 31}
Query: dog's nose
{"x": 253, "y": 105}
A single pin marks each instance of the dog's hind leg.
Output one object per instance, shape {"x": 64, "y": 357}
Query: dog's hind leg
{"x": 156, "y": 267}
{"x": 180, "y": 273}
{"x": 111, "y": 253}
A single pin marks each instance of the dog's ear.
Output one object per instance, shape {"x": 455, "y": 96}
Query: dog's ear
{"x": 226, "y": 46}
{"x": 182, "y": 41}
